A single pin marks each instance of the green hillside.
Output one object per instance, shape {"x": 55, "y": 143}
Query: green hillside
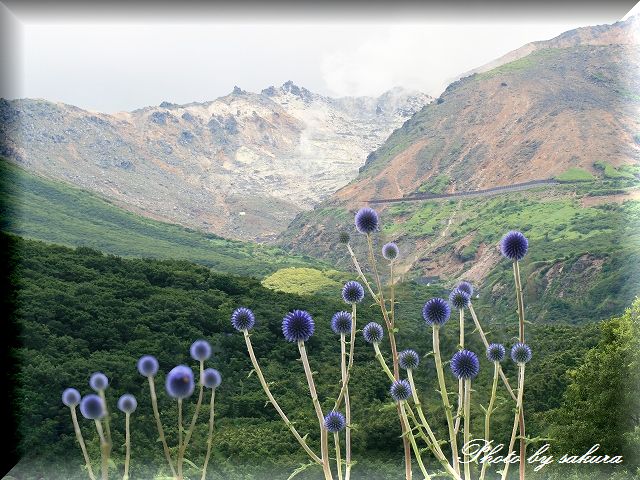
{"x": 42, "y": 209}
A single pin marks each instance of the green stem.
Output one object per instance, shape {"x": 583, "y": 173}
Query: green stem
{"x": 467, "y": 426}
{"x": 460, "y": 381}
{"x": 445, "y": 398}
{"x": 504, "y": 378}
{"x": 356, "y": 264}
{"x": 412, "y": 440}
{"x": 210, "y": 436}
{"x": 487, "y": 417}
{"x": 83, "y": 447}
{"x": 523, "y": 445}
{"x": 156, "y": 414}
{"x": 336, "y": 441}
{"x": 180, "y": 450}
{"x": 347, "y": 407}
{"x": 195, "y": 413}
{"x": 127, "y": 443}
{"x": 433, "y": 443}
{"x": 324, "y": 443}
{"x": 272, "y": 400}
{"x": 106, "y": 416}
{"x": 352, "y": 343}
{"x": 382, "y": 361}
{"x": 104, "y": 451}
{"x": 516, "y": 419}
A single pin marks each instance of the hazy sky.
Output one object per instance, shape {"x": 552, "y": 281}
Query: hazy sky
{"x": 117, "y": 65}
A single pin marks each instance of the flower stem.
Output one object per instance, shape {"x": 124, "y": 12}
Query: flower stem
{"x": 382, "y": 361}
{"x": 267, "y": 391}
{"x": 106, "y": 417}
{"x": 445, "y": 398}
{"x": 504, "y": 378}
{"x": 156, "y": 414}
{"x": 210, "y": 436}
{"x": 180, "y": 450}
{"x": 412, "y": 440}
{"x": 324, "y": 443}
{"x": 433, "y": 442}
{"x": 487, "y": 417}
{"x": 467, "y": 426}
{"x": 460, "y": 381}
{"x": 352, "y": 342}
{"x": 336, "y": 441}
{"x": 516, "y": 418}
{"x": 127, "y": 442}
{"x": 394, "y": 354}
{"x": 347, "y": 408}
{"x": 356, "y": 264}
{"x": 195, "y": 415}
{"x": 104, "y": 451}
{"x": 83, "y": 447}
{"x": 518, "y": 282}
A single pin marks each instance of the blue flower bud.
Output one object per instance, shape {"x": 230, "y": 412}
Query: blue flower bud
{"x": 495, "y": 352}
{"x": 400, "y": 390}
{"x": 465, "y": 364}
{"x": 521, "y": 353}
{"x": 352, "y": 292}
{"x": 372, "y": 332}
{"x": 71, "y": 397}
{"x": 298, "y": 326}
{"x": 98, "y": 381}
{"x": 465, "y": 287}
{"x": 436, "y": 311}
{"x": 211, "y": 378}
{"x": 200, "y": 350}
{"x": 148, "y": 366}
{"x": 390, "y": 251}
{"x": 367, "y": 220}
{"x": 334, "y": 422}
{"x": 341, "y": 323}
{"x": 127, "y": 403}
{"x": 459, "y": 299}
{"x": 243, "y": 319}
{"x": 179, "y": 382}
{"x": 92, "y": 407}
{"x": 408, "y": 359}
{"x": 514, "y": 245}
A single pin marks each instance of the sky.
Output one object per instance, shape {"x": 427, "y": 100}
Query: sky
{"x": 110, "y": 64}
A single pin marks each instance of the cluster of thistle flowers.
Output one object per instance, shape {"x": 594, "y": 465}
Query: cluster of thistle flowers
{"x": 465, "y": 364}
{"x": 297, "y": 327}
{"x": 179, "y": 384}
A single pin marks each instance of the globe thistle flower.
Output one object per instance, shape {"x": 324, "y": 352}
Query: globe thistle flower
{"x": 390, "y": 251}
{"x": 465, "y": 364}
{"x": 200, "y": 350}
{"x": 71, "y": 397}
{"x": 341, "y": 322}
{"x": 409, "y": 359}
{"x": 436, "y": 311}
{"x": 459, "y": 299}
{"x": 179, "y": 382}
{"x": 372, "y": 332}
{"x": 334, "y": 422}
{"x": 514, "y": 245}
{"x": 127, "y": 403}
{"x": 148, "y": 365}
{"x": 243, "y": 319}
{"x": 352, "y": 292}
{"x": 465, "y": 287}
{"x": 211, "y": 378}
{"x": 92, "y": 407}
{"x": 400, "y": 390}
{"x": 495, "y": 352}
{"x": 521, "y": 353}
{"x": 298, "y": 326}
{"x": 343, "y": 237}
{"x": 98, "y": 381}
{"x": 367, "y": 220}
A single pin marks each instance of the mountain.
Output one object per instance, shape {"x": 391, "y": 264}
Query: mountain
{"x": 241, "y": 166}
{"x": 567, "y": 113}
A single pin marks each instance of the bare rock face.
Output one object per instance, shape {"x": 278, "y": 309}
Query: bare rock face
{"x": 241, "y": 166}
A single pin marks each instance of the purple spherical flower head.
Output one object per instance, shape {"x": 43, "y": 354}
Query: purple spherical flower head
{"x": 367, "y": 220}
{"x": 466, "y": 287}
{"x": 400, "y": 390}
{"x": 334, "y": 422}
{"x": 465, "y": 364}
{"x": 341, "y": 322}
{"x": 71, "y": 397}
{"x": 200, "y": 350}
{"x": 495, "y": 352}
{"x": 521, "y": 353}
{"x": 436, "y": 311}
{"x": 298, "y": 326}
{"x": 390, "y": 251}
{"x": 127, "y": 403}
{"x": 409, "y": 359}
{"x": 98, "y": 381}
{"x": 459, "y": 299}
{"x": 352, "y": 292}
{"x": 243, "y": 319}
{"x": 372, "y": 332}
{"x": 514, "y": 245}
{"x": 92, "y": 407}
{"x": 211, "y": 378}
{"x": 148, "y": 365}
{"x": 179, "y": 382}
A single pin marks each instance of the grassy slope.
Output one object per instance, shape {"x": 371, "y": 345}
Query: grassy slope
{"x": 42, "y": 209}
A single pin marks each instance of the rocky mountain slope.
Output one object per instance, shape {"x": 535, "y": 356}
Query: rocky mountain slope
{"x": 569, "y": 111}
{"x": 241, "y": 166}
